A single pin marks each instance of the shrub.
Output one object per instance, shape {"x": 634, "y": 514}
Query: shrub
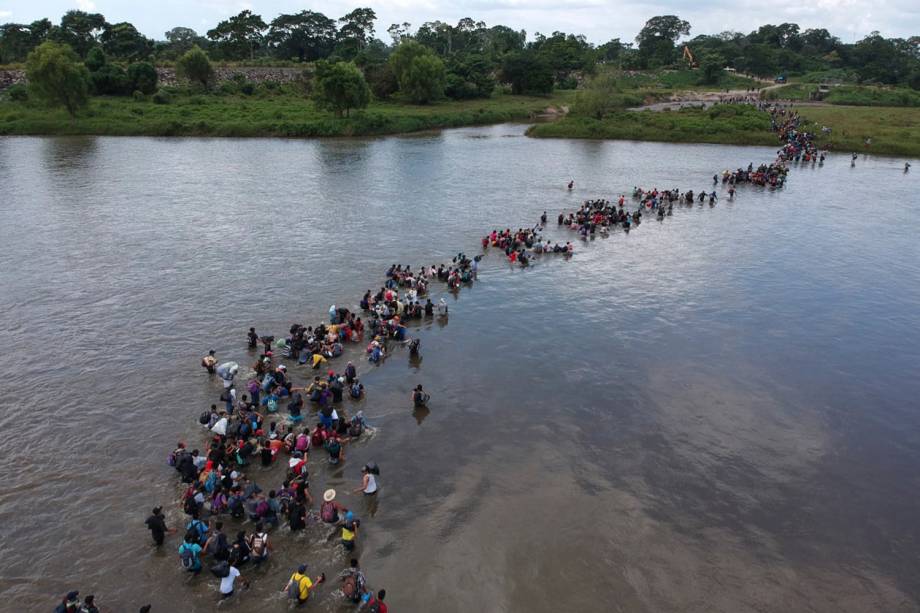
{"x": 110, "y": 80}
{"x": 17, "y": 92}
{"x": 162, "y": 97}
{"x": 139, "y": 96}
{"x": 143, "y": 77}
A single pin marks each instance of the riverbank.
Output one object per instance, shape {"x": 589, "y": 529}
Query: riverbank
{"x": 730, "y": 125}
{"x": 283, "y": 115}
{"x": 893, "y": 131}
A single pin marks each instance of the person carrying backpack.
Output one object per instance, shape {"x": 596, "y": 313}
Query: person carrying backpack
{"x": 190, "y": 553}
{"x": 419, "y": 397}
{"x": 354, "y": 584}
{"x": 350, "y": 531}
{"x": 299, "y": 585}
{"x": 259, "y": 545}
{"x": 329, "y": 510}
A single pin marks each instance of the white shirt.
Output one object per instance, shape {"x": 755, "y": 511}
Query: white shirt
{"x": 226, "y": 583}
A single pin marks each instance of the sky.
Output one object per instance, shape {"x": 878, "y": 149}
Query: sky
{"x": 599, "y": 20}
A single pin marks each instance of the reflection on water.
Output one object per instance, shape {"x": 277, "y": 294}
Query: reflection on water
{"x": 712, "y": 413}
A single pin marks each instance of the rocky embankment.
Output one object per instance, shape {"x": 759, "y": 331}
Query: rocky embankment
{"x": 168, "y": 75}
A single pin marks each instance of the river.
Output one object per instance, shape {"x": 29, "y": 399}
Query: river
{"x": 717, "y": 412}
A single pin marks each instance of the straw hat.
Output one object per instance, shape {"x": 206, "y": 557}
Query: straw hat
{"x": 329, "y": 495}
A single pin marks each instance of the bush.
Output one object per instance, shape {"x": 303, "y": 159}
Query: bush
{"x": 195, "y": 67}
{"x": 567, "y": 82}
{"x": 162, "y": 97}
{"x": 248, "y": 88}
{"x": 110, "y": 80}
{"x": 139, "y": 96}
{"x": 17, "y": 92}
{"x": 95, "y": 59}
{"x": 381, "y": 79}
{"x": 143, "y": 77}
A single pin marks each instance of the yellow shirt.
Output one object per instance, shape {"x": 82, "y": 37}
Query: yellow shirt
{"x": 318, "y": 359}
{"x": 347, "y": 535}
{"x": 304, "y": 583}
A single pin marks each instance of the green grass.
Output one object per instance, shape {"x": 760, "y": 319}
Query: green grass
{"x": 680, "y": 80}
{"x": 849, "y": 95}
{"x": 894, "y": 131}
{"x": 269, "y": 115}
{"x": 736, "y": 125}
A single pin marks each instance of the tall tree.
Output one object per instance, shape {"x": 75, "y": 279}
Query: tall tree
{"x": 56, "y": 75}
{"x": 305, "y": 35}
{"x": 656, "y": 39}
{"x": 123, "y": 41}
{"x": 399, "y": 31}
{"x": 15, "y": 42}
{"x": 80, "y": 30}
{"x": 358, "y": 26}
{"x": 240, "y": 36}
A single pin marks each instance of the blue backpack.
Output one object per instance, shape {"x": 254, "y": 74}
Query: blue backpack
{"x": 187, "y": 557}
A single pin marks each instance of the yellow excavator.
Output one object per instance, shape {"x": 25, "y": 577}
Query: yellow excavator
{"x": 688, "y": 57}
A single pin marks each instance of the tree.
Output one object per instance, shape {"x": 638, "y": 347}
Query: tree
{"x": 340, "y": 87}
{"x": 358, "y": 26}
{"x": 239, "y": 36}
{"x": 656, "y": 39}
{"x": 95, "y": 59}
{"x": 469, "y": 77}
{"x": 420, "y": 73}
{"x": 403, "y": 56}
{"x": 399, "y": 32}
{"x": 15, "y": 42}
{"x": 527, "y": 73}
{"x": 142, "y": 77}
{"x": 424, "y": 81}
{"x": 56, "y": 75}
{"x": 599, "y": 97}
{"x": 381, "y": 79}
{"x": 308, "y": 36}
{"x": 123, "y": 41}
{"x": 194, "y": 66}
{"x": 80, "y": 30}
{"x": 711, "y": 68}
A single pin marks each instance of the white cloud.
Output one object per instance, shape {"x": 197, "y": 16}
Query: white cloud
{"x": 5, "y": 14}
{"x": 86, "y": 5}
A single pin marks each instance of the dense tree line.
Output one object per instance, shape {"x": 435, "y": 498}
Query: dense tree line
{"x": 465, "y": 60}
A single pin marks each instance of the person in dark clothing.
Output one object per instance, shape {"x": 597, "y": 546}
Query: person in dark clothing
{"x": 156, "y": 523}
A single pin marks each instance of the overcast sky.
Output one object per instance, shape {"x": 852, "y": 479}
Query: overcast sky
{"x": 599, "y": 20}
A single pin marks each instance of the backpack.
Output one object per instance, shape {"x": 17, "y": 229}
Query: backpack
{"x": 190, "y": 506}
{"x": 235, "y": 505}
{"x": 258, "y": 544}
{"x": 350, "y": 588}
{"x": 327, "y": 512}
{"x": 187, "y": 557}
{"x": 356, "y": 391}
{"x": 374, "y": 606}
{"x": 293, "y": 590}
{"x": 204, "y": 418}
{"x": 271, "y": 405}
{"x": 221, "y": 569}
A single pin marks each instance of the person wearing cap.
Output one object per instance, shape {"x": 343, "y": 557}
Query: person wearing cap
{"x": 299, "y": 585}
{"x": 209, "y": 362}
{"x": 349, "y": 531}
{"x": 156, "y": 523}
{"x": 69, "y": 604}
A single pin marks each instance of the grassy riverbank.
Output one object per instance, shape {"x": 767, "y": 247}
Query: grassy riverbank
{"x": 277, "y": 115}
{"x": 894, "y": 131}
{"x": 734, "y": 125}
{"x": 848, "y": 95}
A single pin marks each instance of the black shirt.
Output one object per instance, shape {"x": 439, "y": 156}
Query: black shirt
{"x": 157, "y": 525}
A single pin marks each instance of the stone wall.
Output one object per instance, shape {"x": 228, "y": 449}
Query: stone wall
{"x": 167, "y": 76}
